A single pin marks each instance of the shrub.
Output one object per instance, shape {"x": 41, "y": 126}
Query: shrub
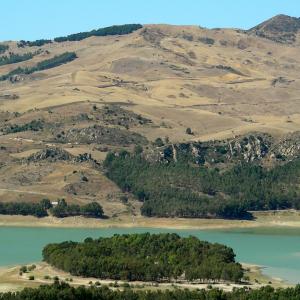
{"x": 31, "y": 268}
{"x": 206, "y": 40}
{"x": 189, "y": 131}
{"x": 158, "y": 142}
{"x": 3, "y": 48}
{"x": 23, "y": 269}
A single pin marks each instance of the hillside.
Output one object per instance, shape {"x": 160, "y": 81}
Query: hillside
{"x": 64, "y": 104}
{"x": 173, "y": 74}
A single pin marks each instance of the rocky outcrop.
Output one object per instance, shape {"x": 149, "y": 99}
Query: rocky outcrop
{"x": 250, "y": 147}
{"x": 16, "y": 78}
{"x": 100, "y": 135}
{"x": 287, "y": 148}
{"x": 50, "y": 154}
{"x": 54, "y": 154}
{"x": 253, "y": 147}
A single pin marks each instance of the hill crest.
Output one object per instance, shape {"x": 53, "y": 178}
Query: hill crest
{"x": 280, "y": 28}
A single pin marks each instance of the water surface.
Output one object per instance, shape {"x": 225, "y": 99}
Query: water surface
{"x": 275, "y": 248}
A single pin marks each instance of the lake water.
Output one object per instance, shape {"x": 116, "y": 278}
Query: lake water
{"x": 276, "y": 249}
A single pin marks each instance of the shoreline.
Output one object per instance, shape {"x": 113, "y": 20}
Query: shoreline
{"x": 278, "y": 219}
{"x": 257, "y": 271}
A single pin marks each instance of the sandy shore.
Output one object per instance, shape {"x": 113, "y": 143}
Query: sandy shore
{"x": 126, "y": 222}
{"x": 11, "y": 280}
{"x": 288, "y": 218}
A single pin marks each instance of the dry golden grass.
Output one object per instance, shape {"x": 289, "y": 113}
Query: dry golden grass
{"x": 171, "y": 77}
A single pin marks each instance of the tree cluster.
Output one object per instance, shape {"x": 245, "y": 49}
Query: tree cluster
{"x": 37, "y": 43}
{"x": 112, "y": 30}
{"x": 63, "y": 209}
{"x": 146, "y": 257}
{"x": 15, "y": 58}
{"x": 34, "y": 125}
{"x": 43, "y": 65}
{"x": 23, "y": 208}
{"x": 184, "y": 189}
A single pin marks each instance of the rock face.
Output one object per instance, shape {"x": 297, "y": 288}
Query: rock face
{"x": 250, "y": 147}
{"x": 254, "y": 147}
{"x": 281, "y": 28}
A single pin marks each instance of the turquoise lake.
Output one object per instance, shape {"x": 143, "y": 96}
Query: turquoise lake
{"x": 278, "y": 250}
